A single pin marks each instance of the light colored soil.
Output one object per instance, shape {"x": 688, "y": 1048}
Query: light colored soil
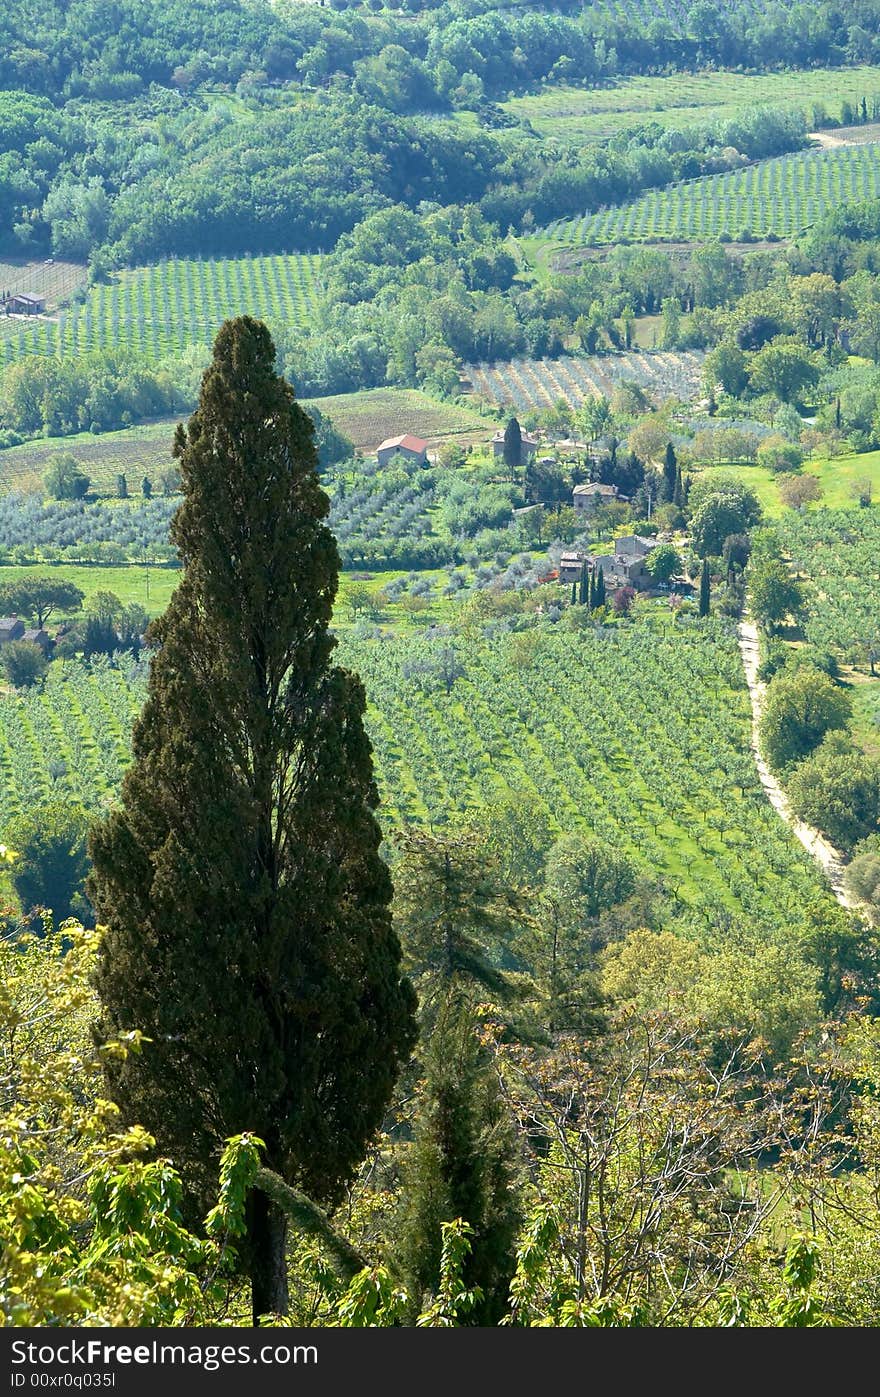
{"x": 847, "y": 136}
{"x": 829, "y": 859}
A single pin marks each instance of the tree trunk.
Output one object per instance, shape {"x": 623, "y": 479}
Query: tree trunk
{"x": 268, "y": 1241}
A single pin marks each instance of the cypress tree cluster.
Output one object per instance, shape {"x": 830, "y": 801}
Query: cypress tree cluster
{"x": 249, "y": 933}
{"x": 599, "y": 589}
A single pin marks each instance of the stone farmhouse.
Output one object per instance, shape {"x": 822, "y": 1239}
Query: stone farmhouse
{"x": 586, "y": 498}
{"x": 411, "y": 448}
{"x": 13, "y": 628}
{"x": 527, "y": 450}
{"x": 626, "y": 566}
{"x": 570, "y": 565}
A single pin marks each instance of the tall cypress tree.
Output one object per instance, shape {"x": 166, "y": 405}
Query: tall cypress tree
{"x": 704, "y": 588}
{"x": 591, "y": 589}
{"x": 599, "y": 594}
{"x": 513, "y": 446}
{"x": 247, "y": 906}
{"x": 574, "y": 593}
{"x": 670, "y": 471}
{"x": 678, "y": 491}
{"x": 582, "y": 595}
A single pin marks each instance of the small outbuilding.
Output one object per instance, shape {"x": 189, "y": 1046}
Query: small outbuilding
{"x": 25, "y": 303}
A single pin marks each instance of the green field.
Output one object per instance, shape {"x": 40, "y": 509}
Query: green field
{"x": 837, "y": 551}
{"x": 675, "y": 788}
{"x": 583, "y": 116}
{"x": 157, "y": 311}
{"x": 376, "y": 413}
{"x": 151, "y": 588}
{"x": 135, "y": 452}
{"x": 776, "y": 198}
{"x": 837, "y": 477}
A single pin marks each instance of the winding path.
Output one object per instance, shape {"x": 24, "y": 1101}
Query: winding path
{"x": 829, "y": 858}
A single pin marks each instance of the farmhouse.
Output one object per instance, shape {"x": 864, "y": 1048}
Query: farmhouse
{"x": 25, "y": 303}
{"x": 38, "y": 636}
{"x": 570, "y": 565}
{"x": 527, "y": 451}
{"x": 11, "y": 628}
{"x": 411, "y": 448}
{"x": 626, "y": 566}
{"x": 585, "y": 498}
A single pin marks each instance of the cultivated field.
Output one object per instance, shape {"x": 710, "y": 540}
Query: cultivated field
{"x": 838, "y": 551}
{"x": 69, "y": 739}
{"x": 674, "y": 786}
{"x": 588, "y": 115}
{"x": 135, "y": 452}
{"x": 370, "y": 417}
{"x": 776, "y": 197}
{"x": 676, "y": 13}
{"x": 366, "y": 418}
{"x": 536, "y": 383}
{"x": 675, "y": 789}
{"x": 57, "y": 280}
{"x": 157, "y": 311}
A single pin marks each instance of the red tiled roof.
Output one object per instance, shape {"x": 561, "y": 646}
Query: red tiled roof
{"x": 408, "y": 442}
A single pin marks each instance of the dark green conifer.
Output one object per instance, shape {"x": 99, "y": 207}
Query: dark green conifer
{"x": 249, "y": 935}
{"x": 599, "y": 596}
{"x": 583, "y": 592}
{"x": 670, "y": 472}
{"x": 678, "y": 490}
{"x": 513, "y": 446}
{"x": 460, "y": 1165}
{"x": 704, "y": 588}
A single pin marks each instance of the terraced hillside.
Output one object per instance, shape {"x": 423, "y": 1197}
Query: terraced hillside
{"x": 775, "y": 198}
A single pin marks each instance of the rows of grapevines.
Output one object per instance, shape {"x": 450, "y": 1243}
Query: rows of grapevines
{"x": 70, "y": 739}
{"x": 158, "y": 310}
{"x": 776, "y": 197}
{"x": 536, "y": 383}
{"x": 639, "y": 734}
{"x": 838, "y": 550}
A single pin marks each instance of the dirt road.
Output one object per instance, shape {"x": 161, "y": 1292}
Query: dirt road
{"x": 829, "y": 858}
